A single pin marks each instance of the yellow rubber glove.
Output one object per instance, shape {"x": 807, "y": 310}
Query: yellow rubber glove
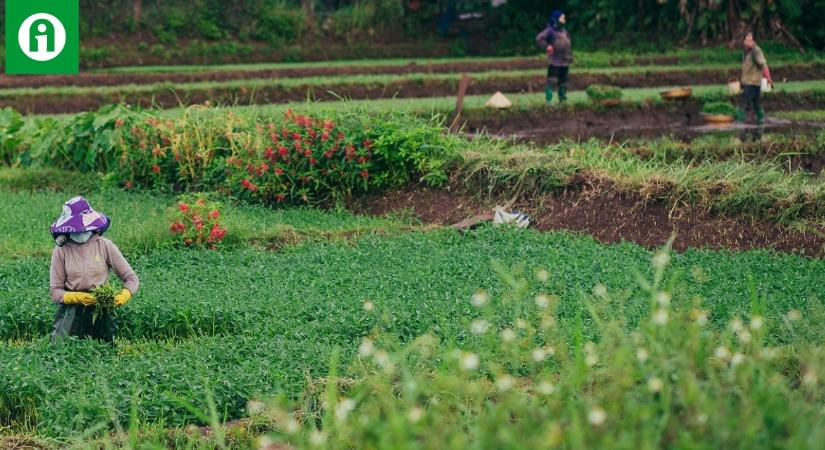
{"x": 78, "y": 298}
{"x": 123, "y": 297}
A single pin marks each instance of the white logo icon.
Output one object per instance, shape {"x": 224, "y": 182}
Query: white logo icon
{"x": 41, "y": 37}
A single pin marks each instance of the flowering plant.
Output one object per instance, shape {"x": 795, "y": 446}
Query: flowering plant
{"x": 197, "y": 221}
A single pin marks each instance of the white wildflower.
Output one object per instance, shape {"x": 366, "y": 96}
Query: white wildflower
{"x": 661, "y": 259}
{"x": 508, "y": 335}
{"x": 479, "y": 298}
{"x": 757, "y": 322}
{"x": 655, "y": 384}
{"x": 721, "y": 353}
{"x": 542, "y": 301}
{"x": 317, "y": 438}
{"x": 736, "y": 325}
{"x": 538, "y": 354}
{"x": 591, "y": 360}
{"x": 344, "y": 407}
{"x": 737, "y": 359}
{"x": 469, "y": 361}
{"x": 366, "y": 348}
{"x": 368, "y": 306}
{"x": 479, "y": 326}
{"x": 660, "y": 316}
{"x": 545, "y": 388}
{"x": 642, "y": 355}
{"x": 597, "y": 416}
{"x": 600, "y": 290}
{"x": 415, "y": 414}
{"x": 744, "y": 336}
{"x": 663, "y": 299}
{"x": 793, "y": 315}
{"x": 505, "y": 383}
{"x": 542, "y": 275}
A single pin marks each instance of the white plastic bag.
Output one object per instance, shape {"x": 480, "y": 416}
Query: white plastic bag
{"x": 766, "y": 87}
{"x": 515, "y": 218}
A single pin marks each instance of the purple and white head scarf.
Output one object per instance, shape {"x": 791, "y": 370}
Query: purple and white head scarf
{"x": 78, "y": 217}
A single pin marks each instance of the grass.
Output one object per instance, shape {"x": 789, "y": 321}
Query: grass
{"x": 243, "y": 322}
{"x": 584, "y": 59}
{"x": 815, "y": 115}
{"x": 332, "y": 81}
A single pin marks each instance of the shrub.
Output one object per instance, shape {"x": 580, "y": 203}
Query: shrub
{"x": 197, "y": 222}
{"x": 600, "y": 92}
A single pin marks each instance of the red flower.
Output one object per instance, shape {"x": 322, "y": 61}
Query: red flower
{"x": 177, "y": 227}
{"x": 214, "y": 214}
{"x": 183, "y": 207}
{"x": 308, "y": 153}
{"x": 198, "y": 226}
{"x": 118, "y": 123}
{"x": 156, "y": 150}
{"x": 279, "y": 171}
{"x": 282, "y": 151}
{"x": 280, "y": 197}
{"x": 362, "y": 160}
{"x": 328, "y": 124}
{"x": 365, "y": 174}
{"x": 155, "y": 168}
{"x": 187, "y": 241}
{"x": 128, "y": 185}
{"x": 200, "y": 202}
{"x": 328, "y": 154}
{"x": 296, "y": 137}
{"x": 325, "y": 136}
{"x": 367, "y": 143}
{"x": 269, "y": 154}
{"x": 313, "y": 161}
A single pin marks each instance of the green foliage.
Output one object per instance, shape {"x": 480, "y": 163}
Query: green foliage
{"x": 241, "y": 324}
{"x": 599, "y": 92}
{"x": 104, "y": 300}
{"x": 724, "y": 108}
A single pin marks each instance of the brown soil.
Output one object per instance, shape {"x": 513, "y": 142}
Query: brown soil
{"x": 168, "y": 97}
{"x": 629, "y": 121}
{"x": 583, "y": 208}
{"x": 116, "y": 79}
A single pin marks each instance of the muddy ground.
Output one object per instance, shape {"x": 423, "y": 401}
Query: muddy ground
{"x": 169, "y": 97}
{"x": 115, "y": 79}
{"x": 582, "y": 208}
{"x": 679, "y": 119}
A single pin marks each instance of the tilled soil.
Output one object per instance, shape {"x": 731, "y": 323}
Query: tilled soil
{"x": 168, "y": 97}
{"x": 609, "y": 216}
{"x": 115, "y": 79}
{"x": 630, "y": 121}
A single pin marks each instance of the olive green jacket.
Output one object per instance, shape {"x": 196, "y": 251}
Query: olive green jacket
{"x": 752, "y": 64}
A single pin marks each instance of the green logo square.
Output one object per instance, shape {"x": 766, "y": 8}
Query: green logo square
{"x": 42, "y": 37}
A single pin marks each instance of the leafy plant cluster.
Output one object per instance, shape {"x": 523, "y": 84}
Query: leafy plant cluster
{"x": 197, "y": 222}
{"x": 257, "y": 323}
{"x": 288, "y": 159}
{"x": 600, "y": 92}
{"x": 723, "y": 108}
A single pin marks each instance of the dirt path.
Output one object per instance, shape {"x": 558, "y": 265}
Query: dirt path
{"x": 166, "y": 97}
{"x": 582, "y": 208}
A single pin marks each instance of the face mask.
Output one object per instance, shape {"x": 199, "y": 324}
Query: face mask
{"x": 80, "y": 238}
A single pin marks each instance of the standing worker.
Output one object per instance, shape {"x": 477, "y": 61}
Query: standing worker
{"x": 754, "y": 67}
{"x": 555, "y": 40}
{"x": 80, "y": 262}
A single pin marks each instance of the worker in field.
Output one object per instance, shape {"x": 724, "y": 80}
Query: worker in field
{"x": 754, "y": 68}
{"x": 555, "y": 40}
{"x": 81, "y": 261}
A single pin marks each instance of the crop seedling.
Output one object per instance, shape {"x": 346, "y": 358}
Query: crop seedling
{"x": 600, "y": 92}
{"x": 720, "y": 108}
{"x": 104, "y": 300}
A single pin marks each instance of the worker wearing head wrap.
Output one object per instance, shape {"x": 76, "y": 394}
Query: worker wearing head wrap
{"x": 555, "y": 40}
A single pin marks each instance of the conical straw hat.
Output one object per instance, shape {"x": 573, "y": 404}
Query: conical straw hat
{"x": 498, "y": 100}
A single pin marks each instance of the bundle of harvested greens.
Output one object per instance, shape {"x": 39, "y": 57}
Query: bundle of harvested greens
{"x": 104, "y": 300}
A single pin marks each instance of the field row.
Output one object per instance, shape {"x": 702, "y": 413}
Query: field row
{"x": 193, "y": 333}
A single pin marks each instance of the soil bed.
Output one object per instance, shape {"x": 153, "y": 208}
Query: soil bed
{"x": 632, "y": 121}
{"x": 114, "y": 79}
{"x": 168, "y": 97}
{"x": 582, "y": 208}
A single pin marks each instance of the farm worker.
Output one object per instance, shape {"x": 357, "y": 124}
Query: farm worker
{"x": 555, "y": 40}
{"x": 80, "y": 262}
{"x": 754, "y": 67}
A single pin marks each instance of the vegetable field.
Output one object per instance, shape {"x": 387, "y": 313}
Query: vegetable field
{"x": 321, "y": 271}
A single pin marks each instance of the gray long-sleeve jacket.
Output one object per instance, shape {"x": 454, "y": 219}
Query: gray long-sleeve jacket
{"x": 81, "y": 267}
{"x": 562, "y": 46}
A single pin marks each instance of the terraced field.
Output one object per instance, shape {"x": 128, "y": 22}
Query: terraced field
{"x": 667, "y": 292}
